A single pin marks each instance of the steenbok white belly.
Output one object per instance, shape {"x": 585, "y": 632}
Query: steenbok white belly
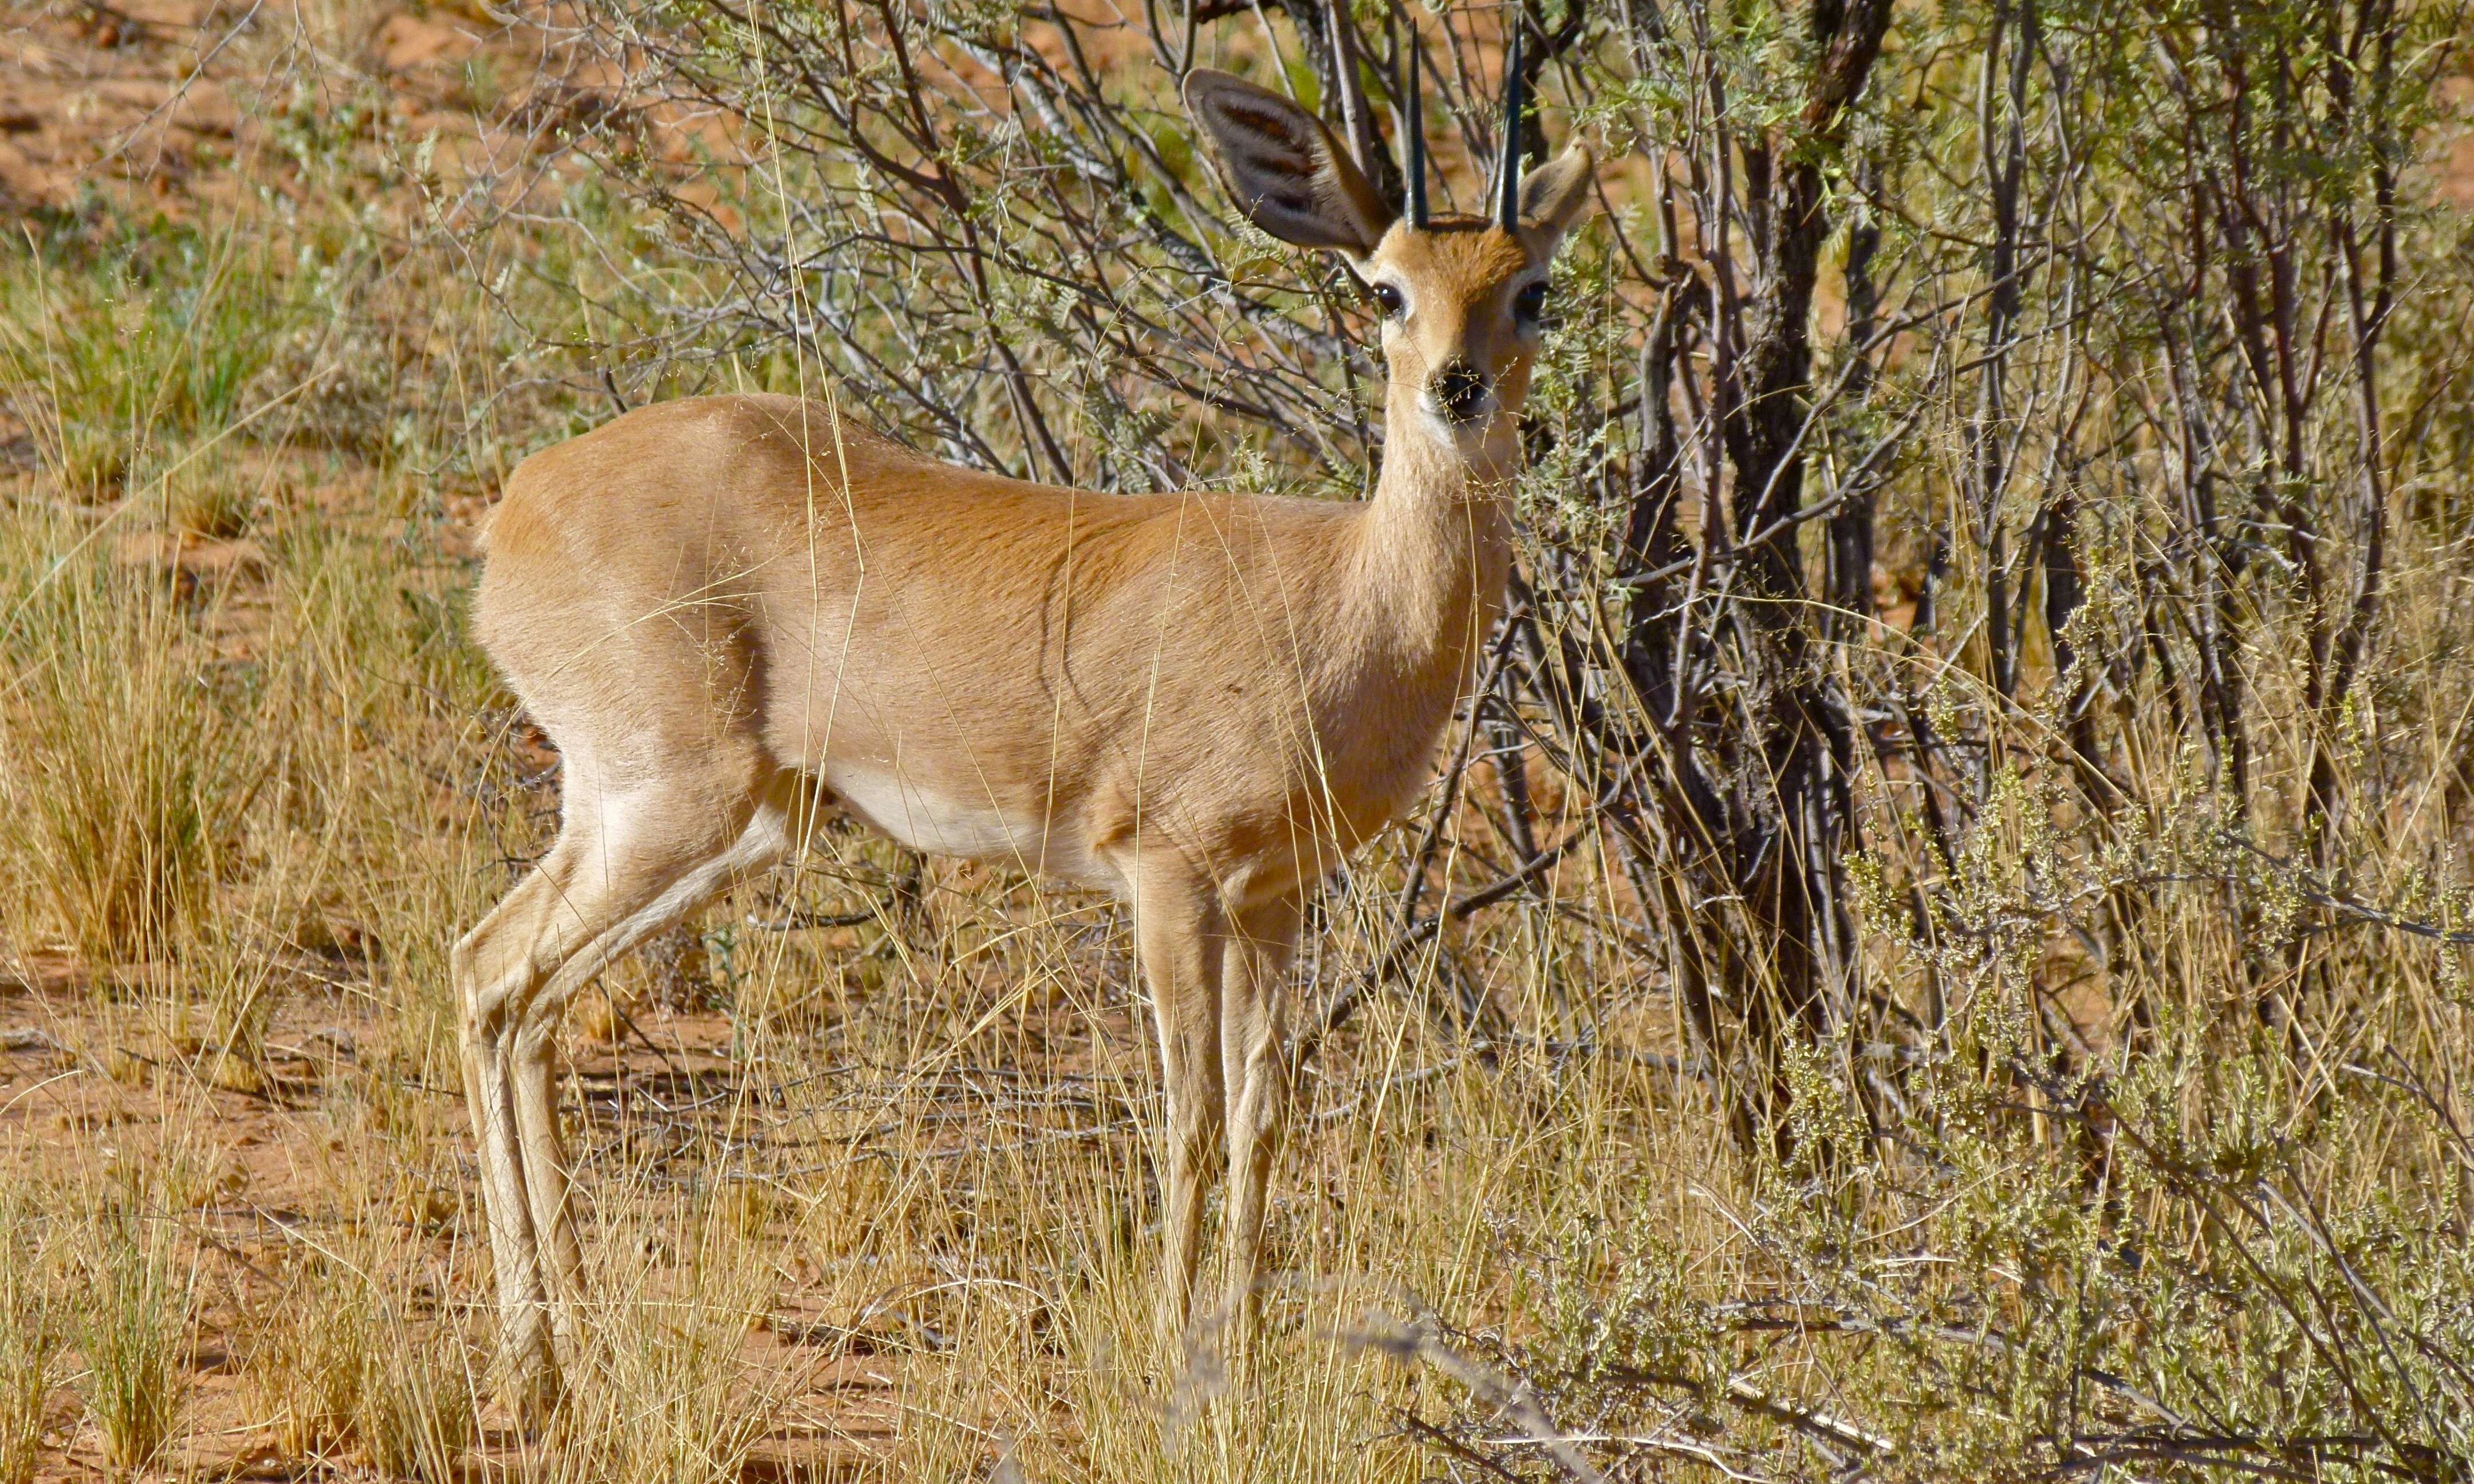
{"x": 949, "y": 823}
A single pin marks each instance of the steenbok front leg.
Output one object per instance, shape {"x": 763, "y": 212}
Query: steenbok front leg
{"x": 1176, "y": 941}
{"x": 1253, "y": 1002}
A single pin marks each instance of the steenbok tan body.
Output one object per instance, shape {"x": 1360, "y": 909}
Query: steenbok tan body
{"x": 733, "y": 614}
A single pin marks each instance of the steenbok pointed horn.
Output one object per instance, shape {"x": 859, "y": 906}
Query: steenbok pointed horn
{"x": 1413, "y": 131}
{"x": 1507, "y": 174}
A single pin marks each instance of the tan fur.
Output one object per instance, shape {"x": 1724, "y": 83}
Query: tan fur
{"x": 734, "y": 613}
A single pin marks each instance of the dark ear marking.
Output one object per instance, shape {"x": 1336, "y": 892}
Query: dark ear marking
{"x": 1283, "y": 167}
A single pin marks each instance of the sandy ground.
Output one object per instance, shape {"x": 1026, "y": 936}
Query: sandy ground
{"x": 145, "y": 96}
{"x": 267, "y": 1167}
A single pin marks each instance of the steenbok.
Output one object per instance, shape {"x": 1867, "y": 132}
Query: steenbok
{"x": 735, "y": 614}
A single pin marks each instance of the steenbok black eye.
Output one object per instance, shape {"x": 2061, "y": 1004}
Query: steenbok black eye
{"x": 1388, "y": 299}
{"x": 1530, "y": 302}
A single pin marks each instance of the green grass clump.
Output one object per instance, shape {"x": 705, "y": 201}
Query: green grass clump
{"x": 118, "y": 354}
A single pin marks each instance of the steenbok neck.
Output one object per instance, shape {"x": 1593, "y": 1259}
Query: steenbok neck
{"x": 1437, "y": 534}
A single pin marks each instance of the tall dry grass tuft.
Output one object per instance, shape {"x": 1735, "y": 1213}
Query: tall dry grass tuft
{"x": 307, "y": 1355}
{"x": 30, "y": 1339}
{"x": 125, "y": 758}
{"x": 229, "y": 1002}
{"x": 335, "y": 1364}
{"x": 420, "y": 1413}
{"x": 374, "y": 817}
{"x": 670, "y": 1397}
{"x": 134, "y": 1333}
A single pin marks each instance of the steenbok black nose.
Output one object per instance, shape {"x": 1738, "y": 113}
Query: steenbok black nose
{"x": 1459, "y": 391}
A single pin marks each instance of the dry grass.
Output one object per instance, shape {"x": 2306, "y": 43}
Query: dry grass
{"x": 137, "y": 1281}
{"x": 333, "y": 1365}
{"x": 29, "y": 1341}
{"x": 127, "y": 775}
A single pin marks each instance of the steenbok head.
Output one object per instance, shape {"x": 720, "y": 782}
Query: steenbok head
{"x": 1463, "y": 297}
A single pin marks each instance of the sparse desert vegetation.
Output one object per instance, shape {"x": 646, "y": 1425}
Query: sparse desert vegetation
{"x": 1940, "y": 953}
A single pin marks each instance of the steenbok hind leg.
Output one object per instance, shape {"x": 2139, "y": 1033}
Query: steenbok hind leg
{"x": 619, "y": 872}
{"x": 547, "y": 1179}
{"x": 494, "y": 967}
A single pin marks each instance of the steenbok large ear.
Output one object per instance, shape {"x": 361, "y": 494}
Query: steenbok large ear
{"x": 1285, "y": 170}
{"x": 1557, "y": 195}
